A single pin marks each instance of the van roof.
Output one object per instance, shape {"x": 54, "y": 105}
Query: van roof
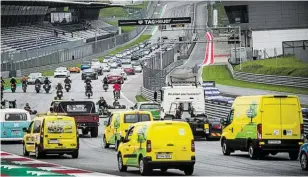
{"x": 257, "y": 98}
{"x": 51, "y": 117}
{"x": 151, "y": 123}
{"x": 133, "y": 112}
{"x": 14, "y": 110}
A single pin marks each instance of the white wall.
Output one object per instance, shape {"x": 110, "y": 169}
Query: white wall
{"x": 268, "y": 40}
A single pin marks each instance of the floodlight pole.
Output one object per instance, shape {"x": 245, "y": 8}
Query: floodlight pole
{"x": 161, "y": 52}
{"x": 239, "y": 28}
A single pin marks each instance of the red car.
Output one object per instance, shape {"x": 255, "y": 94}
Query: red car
{"x": 128, "y": 69}
{"x": 113, "y": 78}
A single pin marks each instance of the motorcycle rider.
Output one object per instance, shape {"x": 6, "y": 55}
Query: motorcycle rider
{"x": 88, "y": 80}
{"x": 89, "y": 87}
{"x": 116, "y": 102}
{"x": 47, "y": 81}
{"x": 24, "y": 80}
{"x": 105, "y": 80}
{"x": 27, "y": 107}
{"x": 2, "y": 87}
{"x": 13, "y": 81}
{"x": 116, "y": 88}
{"x": 102, "y": 103}
{"x": 59, "y": 87}
{"x": 37, "y": 81}
{"x": 67, "y": 80}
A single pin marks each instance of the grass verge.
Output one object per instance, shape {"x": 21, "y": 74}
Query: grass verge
{"x": 142, "y": 38}
{"x": 140, "y": 98}
{"x": 113, "y": 12}
{"x": 124, "y": 29}
{"x": 221, "y": 75}
{"x": 8, "y": 84}
{"x": 283, "y": 66}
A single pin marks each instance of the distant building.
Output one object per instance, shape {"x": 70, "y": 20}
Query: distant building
{"x": 266, "y": 25}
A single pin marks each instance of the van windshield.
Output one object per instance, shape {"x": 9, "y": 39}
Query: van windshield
{"x": 16, "y": 117}
{"x": 60, "y": 126}
{"x": 133, "y": 118}
{"x": 149, "y": 106}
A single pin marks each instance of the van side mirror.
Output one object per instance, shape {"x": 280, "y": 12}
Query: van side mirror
{"x": 132, "y": 108}
{"x": 25, "y": 130}
{"x": 33, "y": 112}
{"x": 51, "y": 109}
{"x": 122, "y": 139}
{"x": 224, "y": 121}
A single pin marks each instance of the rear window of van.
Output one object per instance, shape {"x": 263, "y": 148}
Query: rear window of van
{"x": 16, "y": 117}
{"x": 60, "y": 126}
{"x": 134, "y": 118}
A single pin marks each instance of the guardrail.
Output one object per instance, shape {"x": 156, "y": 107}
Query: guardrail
{"x": 300, "y": 82}
{"x": 215, "y": 110}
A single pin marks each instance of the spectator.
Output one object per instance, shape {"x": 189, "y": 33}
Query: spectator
{"x": 63, "y": 33}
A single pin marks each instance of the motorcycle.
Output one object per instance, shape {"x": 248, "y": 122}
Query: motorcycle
{"x": 105, "y": 87}
{"x": 47, "y": 88}
{"x": 13, "y": 88}
{"x": 24, "y": 87}
{"x": 37, "y": 88}
{"x": 103, "y": 111}
{"x": 59, "y": 94}
{"x": 117, "y": 95}
{"x": 88, "y": 93}
{"x": 67, "y": 87}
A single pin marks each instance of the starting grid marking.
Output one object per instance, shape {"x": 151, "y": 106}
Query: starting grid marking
{"x": 23, "y": 162}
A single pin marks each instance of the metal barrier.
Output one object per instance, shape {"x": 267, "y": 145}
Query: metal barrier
{"x": 300, "y": 82}
{"x": 40, "y": 57}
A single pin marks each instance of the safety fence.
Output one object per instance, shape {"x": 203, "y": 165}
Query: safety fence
{"x": 214, "y": 110}
{"x": 41, "y": 57}
{"x": 300, "y": 82}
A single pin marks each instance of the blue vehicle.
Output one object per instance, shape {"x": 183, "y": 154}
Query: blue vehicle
{"x": 303, "y": 155}
{"x": 85, "y": 65}
{"x": 12, "y": 123}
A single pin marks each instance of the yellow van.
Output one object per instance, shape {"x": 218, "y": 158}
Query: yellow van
{"x": 158, "y": 145}
{"x": 263, "y": 125}
{"x": 51, "y": 135}
{"x": 119, "y": 122}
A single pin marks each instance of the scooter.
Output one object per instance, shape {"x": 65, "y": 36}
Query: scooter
{"x": 47, "y": 88}
{"x": 88, "y": 93}
{"x": 37, "y": 88}
{"x": 13, "y": 88}
{"x": 59, "y": 94}
{"x": 105, "y": 87}
{"x": 116, "y": 105}
{"x": 67, "y": 87}
{"x": 24, "y": 87}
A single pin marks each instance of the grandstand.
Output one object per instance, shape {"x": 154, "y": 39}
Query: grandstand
{"x": 30, "y": 25}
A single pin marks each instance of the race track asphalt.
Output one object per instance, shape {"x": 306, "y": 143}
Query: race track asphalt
{"x": 92, "y": 156}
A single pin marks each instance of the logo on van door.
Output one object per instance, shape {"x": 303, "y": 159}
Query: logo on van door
{"x": 252, "y": 110}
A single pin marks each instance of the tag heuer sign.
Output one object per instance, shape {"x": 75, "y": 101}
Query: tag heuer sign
{"x": 157, "y": 21}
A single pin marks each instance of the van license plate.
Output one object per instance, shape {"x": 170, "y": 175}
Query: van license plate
{"x": 53, "y": 142}
{"x": 15, "y": 132}
{"x": 274, "y": 142}
{"x": 163, "y": 156}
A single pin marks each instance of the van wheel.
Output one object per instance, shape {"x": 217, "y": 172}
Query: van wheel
{"x": 24, "y": 150}
{"x": 144, "y": 168}
{"x": 225, "y": 149}
{"x": 189, "y": 170}
{"x": 106, "y": 145}
{"x": 303, "y": 161}
{"x": 293, "y": 155}
{"x": 38, "y": 153}
{"x": 75, "y": 154}
{"x": 94, "y": 132}
{"x": 164, "y": 170}
{"x": 121, "y": 167}
{"x": 252, "y": 152}
{"x": 274, "y": 153}
{"x": 85, "y": 131}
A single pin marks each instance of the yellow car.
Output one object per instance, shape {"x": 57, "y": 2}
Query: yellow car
{"x": 263, "y": 125}
{"x": 118, "y": 124}
{"x": 158, "y": 145}
{"x": 51, "y": 135}
{"x": 74, "y": 70}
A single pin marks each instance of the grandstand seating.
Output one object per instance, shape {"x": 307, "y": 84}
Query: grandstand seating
{"x": 19, "y": 38}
